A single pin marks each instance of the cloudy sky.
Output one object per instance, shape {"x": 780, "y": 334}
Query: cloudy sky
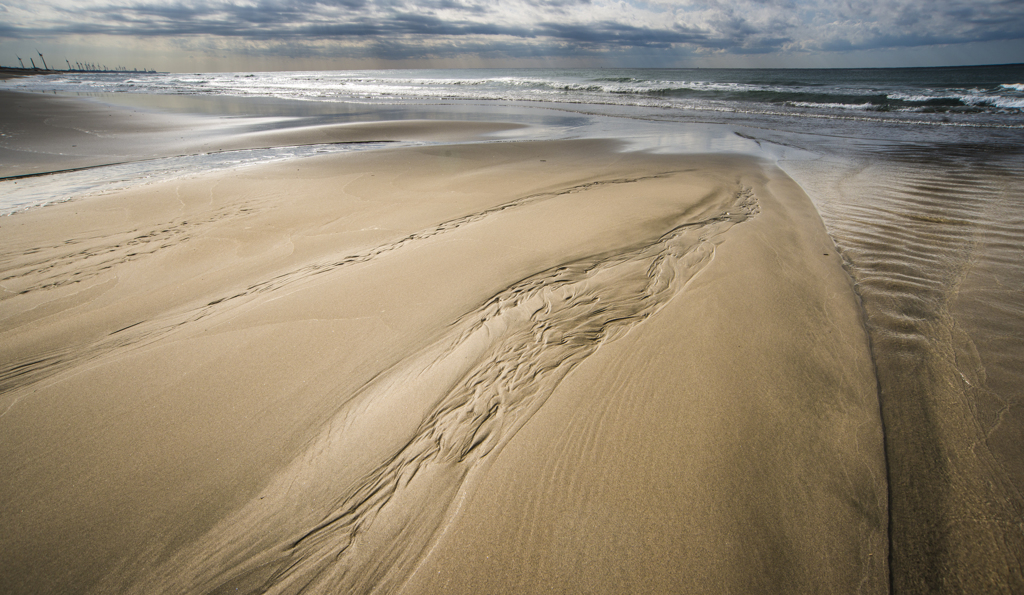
{"x": 225, "y": 35}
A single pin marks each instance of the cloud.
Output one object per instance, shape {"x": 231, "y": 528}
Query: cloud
{"x": 403, "y": 29}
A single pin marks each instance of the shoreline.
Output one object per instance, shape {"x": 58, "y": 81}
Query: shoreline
{"x": 80, "y": 133}
{"x": 593, "y": 367}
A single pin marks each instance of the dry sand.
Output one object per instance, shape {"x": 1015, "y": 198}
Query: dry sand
{"x": 476, "y": 368}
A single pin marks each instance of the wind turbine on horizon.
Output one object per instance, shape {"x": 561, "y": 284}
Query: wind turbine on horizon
{"x": 45, "y": 67}
{"x": 20, "y": 62}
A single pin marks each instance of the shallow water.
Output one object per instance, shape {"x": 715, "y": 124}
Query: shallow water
{"x": 933, "y": 235}
{"x": 18, "y": 194}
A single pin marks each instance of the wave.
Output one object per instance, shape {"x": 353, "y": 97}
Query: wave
{"x": 785, "y": 93}
{"x": 854, "y": 106}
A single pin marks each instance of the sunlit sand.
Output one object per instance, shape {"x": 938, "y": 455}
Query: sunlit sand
{"x": 478, "y": 368}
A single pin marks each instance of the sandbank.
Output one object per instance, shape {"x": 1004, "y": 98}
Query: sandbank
{"x": 493, "y": 367}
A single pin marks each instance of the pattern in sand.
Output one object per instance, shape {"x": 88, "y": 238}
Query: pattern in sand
{"x": 333, "y": 521}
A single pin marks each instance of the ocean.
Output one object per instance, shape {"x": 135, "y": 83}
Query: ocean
{"x": 918, "y": 174}
{"x": 991, "y": 96}
{"x": 867, "y": 107}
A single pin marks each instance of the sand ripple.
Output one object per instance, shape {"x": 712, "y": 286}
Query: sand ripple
{"x": 933, "y": 237}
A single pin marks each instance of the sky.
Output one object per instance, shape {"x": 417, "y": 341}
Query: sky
{"x": 265, "y": 35}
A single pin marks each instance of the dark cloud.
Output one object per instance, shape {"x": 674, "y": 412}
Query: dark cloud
{"x": 609, "y": 33}
{"x": 406, "y": 28}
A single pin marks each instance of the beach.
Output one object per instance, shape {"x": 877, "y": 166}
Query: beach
{"x": 463, "y": 356}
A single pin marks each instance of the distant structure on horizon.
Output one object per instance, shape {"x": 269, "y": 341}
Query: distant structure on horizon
{"x": 91, "y": 67}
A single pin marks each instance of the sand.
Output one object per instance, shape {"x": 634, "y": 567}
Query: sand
{"x": 496, "y": 367}
{"x": 46, "y": 134}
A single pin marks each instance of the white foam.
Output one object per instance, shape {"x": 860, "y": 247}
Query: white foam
{"x": 849, "y": 106}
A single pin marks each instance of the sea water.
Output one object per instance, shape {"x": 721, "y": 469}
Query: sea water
{"x": 988, "y": 95}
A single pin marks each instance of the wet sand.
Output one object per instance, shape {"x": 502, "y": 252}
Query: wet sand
{"x": 45, "y": 134}
{"x": 934, "y": 238}
{"x": 496, "y": 367}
